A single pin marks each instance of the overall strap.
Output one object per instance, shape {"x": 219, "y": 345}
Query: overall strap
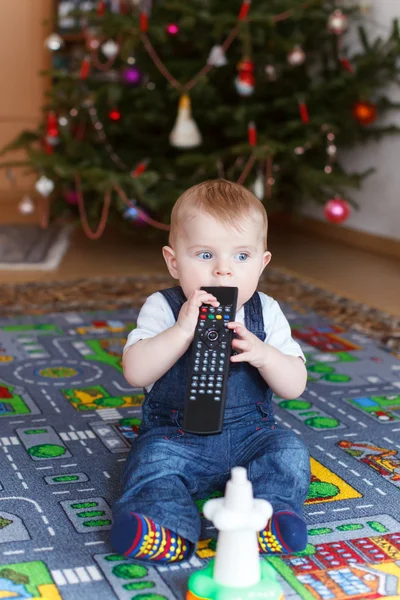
{"x": 253, "y": 316}
{"x": 175, "y": 298}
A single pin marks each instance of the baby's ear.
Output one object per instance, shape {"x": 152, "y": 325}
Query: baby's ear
{"x": 266, "y": 258}
{"x": 170, "y": 259}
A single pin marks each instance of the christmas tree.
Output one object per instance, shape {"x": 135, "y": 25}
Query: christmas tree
{"x": 156, "y": 97}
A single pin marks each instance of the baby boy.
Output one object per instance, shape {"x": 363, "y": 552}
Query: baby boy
{"x": 218, "y": 237}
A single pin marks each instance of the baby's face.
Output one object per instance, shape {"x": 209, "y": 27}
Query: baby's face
{"x": 209, "y": 253}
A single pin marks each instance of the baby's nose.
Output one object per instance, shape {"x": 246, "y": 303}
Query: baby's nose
{"x": 223, "y": 270}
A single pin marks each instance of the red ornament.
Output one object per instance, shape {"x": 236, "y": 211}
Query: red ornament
{"x": 337, "y": 210}
{"x": 52, "y": 128}
{"x": 140, "y": 168}
{"x": 244, "y": 9}
{"x": 245, "y": 80}
{"x": 114, "y": 115}
{"x": 252, "y": 133}
{"x": 144, "y": 22}
{"x": 364, "y": 112}
{"x": 303, "y": 112}
{"x": 346, "y": 64}
{"x": 85, "y": 68}
{"x": 101, "y": 8}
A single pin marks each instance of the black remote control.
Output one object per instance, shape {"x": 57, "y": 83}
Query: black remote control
{"x": 212, "y": 347}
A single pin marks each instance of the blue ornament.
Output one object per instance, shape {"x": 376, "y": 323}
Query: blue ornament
{"x": 131, "y": 213}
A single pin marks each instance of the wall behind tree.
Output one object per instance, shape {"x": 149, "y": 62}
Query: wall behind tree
{"x": 22, "y": 56}
{"x": 379, "y": 196}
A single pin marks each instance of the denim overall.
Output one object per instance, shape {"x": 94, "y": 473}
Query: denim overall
{"x": 167, "y": 469}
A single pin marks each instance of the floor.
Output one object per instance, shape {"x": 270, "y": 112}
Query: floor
{"x": 360, "y": 275}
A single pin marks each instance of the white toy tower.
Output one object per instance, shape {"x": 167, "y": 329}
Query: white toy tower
{"x": 238, "y": 516}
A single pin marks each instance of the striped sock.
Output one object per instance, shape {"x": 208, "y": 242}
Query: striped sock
{"x": 141, "y": 538}
{"x": 285, "y": 533}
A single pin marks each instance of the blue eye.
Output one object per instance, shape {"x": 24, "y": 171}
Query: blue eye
{"x": 205, "y": 255}
{"x": 242, "y": 256}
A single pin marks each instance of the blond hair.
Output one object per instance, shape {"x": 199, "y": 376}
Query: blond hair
{"x": 228, "y": 202}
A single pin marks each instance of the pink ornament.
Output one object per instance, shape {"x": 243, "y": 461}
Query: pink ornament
{"x": 172, "y": 29}
{"x": 71, "y": 197}
{"x": 337, "y": 210}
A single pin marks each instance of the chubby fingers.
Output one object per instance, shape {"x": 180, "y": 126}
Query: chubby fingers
{"x": 239, "y": 329}
{"x": 199, "y": 297}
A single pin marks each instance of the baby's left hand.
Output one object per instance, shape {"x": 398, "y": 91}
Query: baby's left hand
{"x": 252, "y": 349}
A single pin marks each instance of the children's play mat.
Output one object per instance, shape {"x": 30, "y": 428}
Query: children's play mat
{"x": 68, "y": 419}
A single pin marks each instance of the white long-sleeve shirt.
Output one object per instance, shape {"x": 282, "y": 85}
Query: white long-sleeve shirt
{"x": 156, "y": 316}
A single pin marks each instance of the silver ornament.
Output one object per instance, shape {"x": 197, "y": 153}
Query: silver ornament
{"x": 270, "y": 71}
{"x": 26, "y": 206}
{"x": 44, "y": 186}
{"x": 297, "y": 56}
{"x": 258, "y": 186}
{"x": 54, "y": 42}
{"x": 87, "y": 5}
{"x": 337, "y": 22}
{"x": 110, "y": 49}
{"x": 331, "y": 150}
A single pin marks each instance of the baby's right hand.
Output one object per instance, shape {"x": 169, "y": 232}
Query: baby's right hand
{"x": 189, "y": 313}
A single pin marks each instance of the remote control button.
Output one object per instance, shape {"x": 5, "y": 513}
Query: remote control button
{"x": 221, "y": 370}
{"x": 199, "y": 345}
{"x": 218, "y": 317}
{"x": 211, "y": 309}
{"x": 218, "y": 385}
{"x": 202, "y": 384}
{"x": 202, "y": 316}
{"x": 203, "y": 309}
{"x": 211, "y": 316}
{"x": 210, "y": 391}
{"x": 195, "y": 391}
{"x": 226, "y": 317}
{"x": 217, "y": 399}
{"x": 212, "y": 335}
{"x": 192, "y": 397}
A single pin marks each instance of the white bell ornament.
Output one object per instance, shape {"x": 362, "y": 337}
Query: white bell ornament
{"x": 217, "y": 57}
{"x": 185, "y": 133}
